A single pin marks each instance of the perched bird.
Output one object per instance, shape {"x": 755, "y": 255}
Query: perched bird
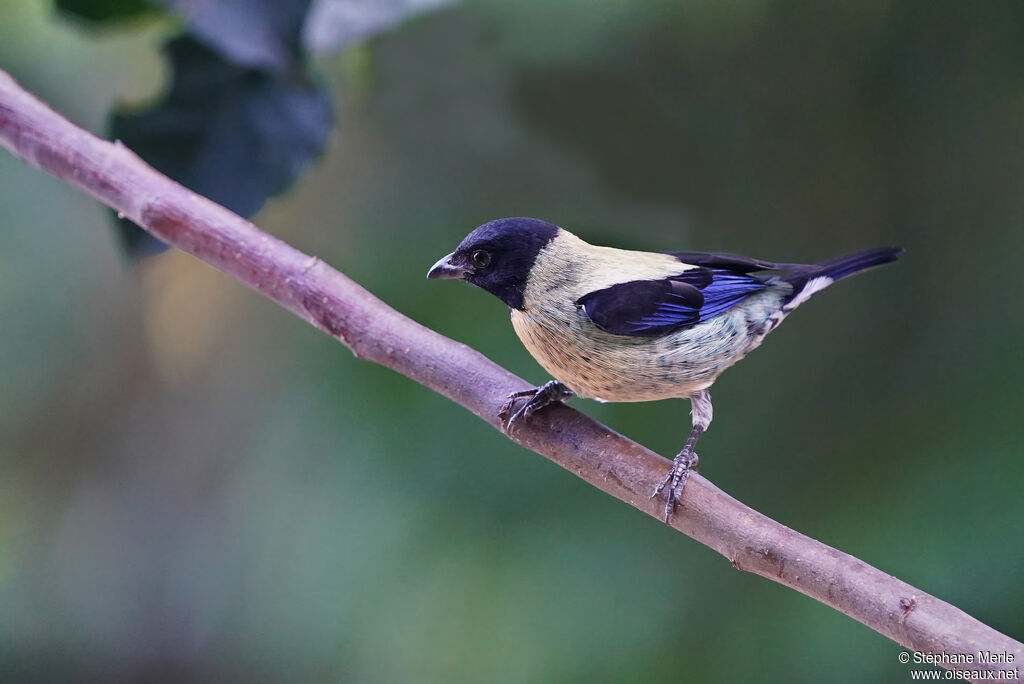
{"x": 618, "y": 325}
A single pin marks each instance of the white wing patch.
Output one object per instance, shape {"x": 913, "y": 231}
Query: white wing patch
{"x": 813, "y": 286}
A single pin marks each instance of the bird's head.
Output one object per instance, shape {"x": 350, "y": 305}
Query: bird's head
{"x": 498, "y": 256}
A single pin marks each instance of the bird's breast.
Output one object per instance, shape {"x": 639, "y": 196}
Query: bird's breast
{"x": 608, "y": 367}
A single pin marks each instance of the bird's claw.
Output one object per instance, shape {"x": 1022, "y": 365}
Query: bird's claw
{"x": 549, "y": 393}
{"x": 684, "y": 463}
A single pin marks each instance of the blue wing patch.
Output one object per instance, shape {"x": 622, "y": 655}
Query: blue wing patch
{"x": 648, "y": 308}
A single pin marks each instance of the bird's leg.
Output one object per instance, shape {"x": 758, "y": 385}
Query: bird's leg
{"x": 686, "y": 460}
{"x": 539, "y": 397}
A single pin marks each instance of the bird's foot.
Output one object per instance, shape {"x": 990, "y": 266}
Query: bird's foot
{"x": 549, "y": 393}
{"x": 685, "y": 462}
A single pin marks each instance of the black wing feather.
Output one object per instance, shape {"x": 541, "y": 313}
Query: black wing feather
{"x": 647, "y": 308}
{"x": 622, "y": 309}
{"x": 729, "y": 262}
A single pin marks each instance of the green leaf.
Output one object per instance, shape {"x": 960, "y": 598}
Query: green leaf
{"x": 260, "y": 34}
{"x": 334, "y": 24}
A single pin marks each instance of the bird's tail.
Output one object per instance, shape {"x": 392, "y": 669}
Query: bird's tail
{"x": 848, "y": 264}
{"x": 806, "y": 280}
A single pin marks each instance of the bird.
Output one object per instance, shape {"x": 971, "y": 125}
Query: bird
{"x": 620, "y": 325}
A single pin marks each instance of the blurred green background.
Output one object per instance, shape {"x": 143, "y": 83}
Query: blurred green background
{"x": 197, "y": 486}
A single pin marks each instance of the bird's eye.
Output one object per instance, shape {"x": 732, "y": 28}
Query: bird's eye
{"x": 480, "y": 258}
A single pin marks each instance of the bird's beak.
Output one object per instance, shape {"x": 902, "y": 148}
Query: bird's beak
{"x": 444, "y": 268}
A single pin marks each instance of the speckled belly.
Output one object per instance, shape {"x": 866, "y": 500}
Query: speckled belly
{"x": 608, "y": 367}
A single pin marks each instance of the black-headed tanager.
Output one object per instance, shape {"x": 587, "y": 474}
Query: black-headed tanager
{"x": 620, "y": 325}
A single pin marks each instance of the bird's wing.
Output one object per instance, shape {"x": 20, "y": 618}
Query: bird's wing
{"x": 730, "y": 262}
{"x": 647, "y": 308}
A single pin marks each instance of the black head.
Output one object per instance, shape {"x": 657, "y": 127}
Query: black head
{"x": 498, "y": 256}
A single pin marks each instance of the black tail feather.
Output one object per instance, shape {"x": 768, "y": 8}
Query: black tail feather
{"x": 848, "y": 264}
{"x": 833, "y": 270}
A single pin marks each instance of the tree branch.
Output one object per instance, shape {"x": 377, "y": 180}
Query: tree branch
{"x": 373, "y": 331}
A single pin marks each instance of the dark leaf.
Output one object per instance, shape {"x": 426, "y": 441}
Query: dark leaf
{"x": 235, "y": 135}
{"x": 103, "y": 10}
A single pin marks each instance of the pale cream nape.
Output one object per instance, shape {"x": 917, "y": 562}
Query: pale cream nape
{"x": 578, "y": 267}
